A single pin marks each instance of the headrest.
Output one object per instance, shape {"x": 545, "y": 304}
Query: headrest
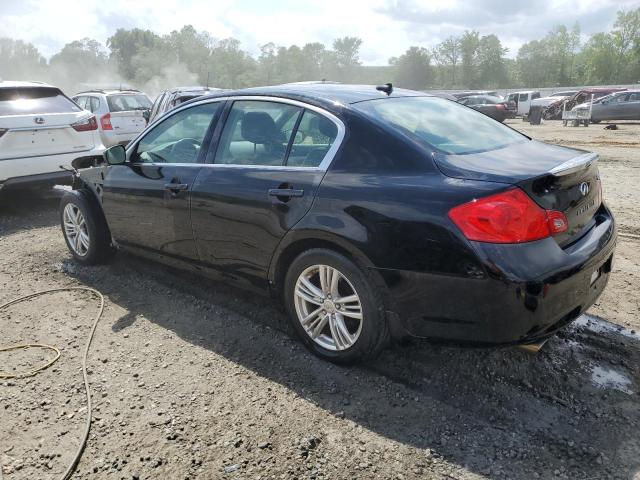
{"x": 259, "y": 127}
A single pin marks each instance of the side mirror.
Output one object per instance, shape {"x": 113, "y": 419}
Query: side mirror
{"x": 115, "y": 155}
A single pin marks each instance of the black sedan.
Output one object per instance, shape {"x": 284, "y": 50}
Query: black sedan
{"x": 494, "y": 107}
{"x": 371, "y": 213}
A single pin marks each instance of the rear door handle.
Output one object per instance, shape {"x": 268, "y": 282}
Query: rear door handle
{"x": 285, "y": 192}
{"x": 176, "y": 186}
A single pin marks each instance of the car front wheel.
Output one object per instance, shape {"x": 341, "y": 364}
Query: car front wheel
{"x": 335, "y": 307}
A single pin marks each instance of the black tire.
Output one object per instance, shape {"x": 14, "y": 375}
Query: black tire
{"x": 100, "y": 248}
{"x": 374, "y": 333}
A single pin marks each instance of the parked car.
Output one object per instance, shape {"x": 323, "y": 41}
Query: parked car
{"x": 616, "y": 106}
{"x": 544, "y": 102}
{"x": 461, "y": 95}
{"x": 169, "y": 99}
{"x": 522, "y": 100}
{"x": 370, "y": 213}
{"x": 41, "y": 130}
{"x": 122, "y": 114}
{"x": 554, "y": 110}
{"x": 494, "y": 107}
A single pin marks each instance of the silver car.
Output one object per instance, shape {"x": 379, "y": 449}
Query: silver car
{"x": 616, "y": 106}
{"x": 169, "y": 99}
{"x": 121, "y": 114}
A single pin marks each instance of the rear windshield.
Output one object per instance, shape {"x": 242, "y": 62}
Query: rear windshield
{"x": 123, "y": 103}
{"x": 34, "y": 100}
{"x": 445, "y": 125}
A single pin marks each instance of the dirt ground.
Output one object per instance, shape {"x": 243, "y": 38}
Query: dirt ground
{"x": 194, "y": 379}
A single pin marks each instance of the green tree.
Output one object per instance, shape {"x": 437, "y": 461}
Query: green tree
{"x": 413, "y": 68}
{"x": 21, "y": 61}
{"x": 448, "y": 54}
{"x": 125, "y": 45}
{"x": 491, "y": 62}
{"x": 79, "y": 62}
{"x": 469, "y": 43}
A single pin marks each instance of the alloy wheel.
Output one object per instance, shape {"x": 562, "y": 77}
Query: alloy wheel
{"x": 75, "y": 229}
{"x": 328, "y": 307}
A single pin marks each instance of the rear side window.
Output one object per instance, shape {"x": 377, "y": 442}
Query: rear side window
{"x": 523, "y": 97}
{"x": 34, "y": 100}
{"x": 634, "y": 97}
{"x": 256, "y": 133}
{"x": 439, "y": 123}
{"x": 313, "y": 139}
{"x": 93, "y": 104}
{"x": 124, "y": 103}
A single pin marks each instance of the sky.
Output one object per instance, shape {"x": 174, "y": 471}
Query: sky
{"x": 387, "y": 27}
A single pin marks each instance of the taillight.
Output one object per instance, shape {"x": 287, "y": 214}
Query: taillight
{"x": 507, "y": 217}
{"x": 105, "y": 122}
{"x": 2, "y": 131}
{"x": 85, "y": 125}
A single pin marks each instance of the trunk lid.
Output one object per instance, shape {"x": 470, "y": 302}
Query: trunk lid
{"x": 43, "y": 134}
{"x": 556, "y": 178}
{"x": 128, "y": 121}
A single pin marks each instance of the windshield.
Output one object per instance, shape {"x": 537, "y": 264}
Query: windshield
{"x": 443, "y": 124}
{"x": 121, "y": 103}
{"x": 34, "y": 100}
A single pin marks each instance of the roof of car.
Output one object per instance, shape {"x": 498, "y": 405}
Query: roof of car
{"x": 112, "y": 91}
{"x": 602, "y": 89}
{"x": 326, "y": 94}
{"x": 194, "y": 88}
{"x": 17, "y": 84}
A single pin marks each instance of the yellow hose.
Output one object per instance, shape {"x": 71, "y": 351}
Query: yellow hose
{"x": 72, "y": 466}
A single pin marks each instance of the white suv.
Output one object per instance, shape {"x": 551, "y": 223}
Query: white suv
{"x": 41, "y": 129}
{"x": 122, "y": 114}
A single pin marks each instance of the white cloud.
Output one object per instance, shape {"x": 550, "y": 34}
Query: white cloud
{"x": 388, "y": 28}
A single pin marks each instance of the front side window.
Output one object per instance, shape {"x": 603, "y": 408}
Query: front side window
{"x": 256, "y": 133}
{"x": 444, "y": 125}
{"x": 313, "y": 139}
{"x": 178, "y": 138}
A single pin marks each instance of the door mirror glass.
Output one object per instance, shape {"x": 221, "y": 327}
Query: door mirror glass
{"x": 115, "y": 155}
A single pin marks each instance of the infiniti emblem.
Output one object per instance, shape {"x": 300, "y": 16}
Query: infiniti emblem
{"x": 39, "y": 120}
{"x": 584, "y": 189}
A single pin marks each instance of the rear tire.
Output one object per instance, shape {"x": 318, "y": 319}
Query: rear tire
{"x": 85, "y": 229}
{"x": 350, "y": 323}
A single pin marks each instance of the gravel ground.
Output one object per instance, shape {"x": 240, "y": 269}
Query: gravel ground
{"x": 194, "y": 379}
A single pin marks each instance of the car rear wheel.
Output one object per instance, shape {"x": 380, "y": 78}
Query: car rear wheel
{"x": 334, "y": 307}
{"x": 84, "y": 229}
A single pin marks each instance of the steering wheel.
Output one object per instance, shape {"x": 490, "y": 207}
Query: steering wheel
{"x": 185, "y": 150}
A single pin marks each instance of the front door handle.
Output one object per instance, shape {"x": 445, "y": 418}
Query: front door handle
{"x": 176, "y": 186}
{"x": 285, "y": 192}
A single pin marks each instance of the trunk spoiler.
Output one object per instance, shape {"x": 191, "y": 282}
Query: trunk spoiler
{"x": 575, "y": 164}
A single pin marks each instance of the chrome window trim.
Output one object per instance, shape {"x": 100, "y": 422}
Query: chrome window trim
{"x": 323, "y": 166}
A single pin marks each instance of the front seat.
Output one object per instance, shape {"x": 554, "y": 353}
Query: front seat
{"x": 259, "y": 128}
